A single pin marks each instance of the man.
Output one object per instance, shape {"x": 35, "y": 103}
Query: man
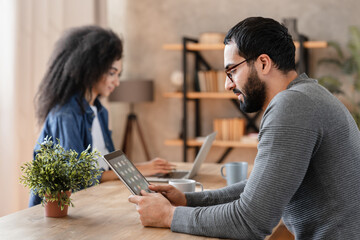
{"x": 307, "y": 169}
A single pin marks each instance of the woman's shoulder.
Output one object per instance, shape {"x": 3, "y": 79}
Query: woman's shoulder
{"x": 70, "y": 108}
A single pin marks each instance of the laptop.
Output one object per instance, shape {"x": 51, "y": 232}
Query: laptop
{"x": 178, "y": 174}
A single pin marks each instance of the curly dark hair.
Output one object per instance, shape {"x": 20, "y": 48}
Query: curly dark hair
{"x": 80, "y": 58}
{"x": 257, "y": 35}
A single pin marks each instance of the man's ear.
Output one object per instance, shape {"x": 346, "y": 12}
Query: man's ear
{"x": 264, "y": 63}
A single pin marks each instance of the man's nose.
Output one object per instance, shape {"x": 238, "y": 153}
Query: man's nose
{"x": 229, "y": 85}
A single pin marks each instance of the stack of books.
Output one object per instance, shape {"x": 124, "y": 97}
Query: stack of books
{"x": 229, "y": 129}
{"x": 212, "y": 81}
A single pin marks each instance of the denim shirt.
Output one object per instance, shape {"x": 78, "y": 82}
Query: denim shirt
{"x": 73, "y": 128}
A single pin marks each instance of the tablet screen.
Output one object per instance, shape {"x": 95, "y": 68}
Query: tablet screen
{"x": 127, "y": 172}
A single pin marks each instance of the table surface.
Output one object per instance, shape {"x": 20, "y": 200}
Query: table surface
{"x": 100, "y": 212}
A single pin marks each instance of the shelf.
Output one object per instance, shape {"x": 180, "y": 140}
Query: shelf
{"x": 246, "y": 142}
{"x": 313, "y": 44}
{"x": 202, "y": 95}
{"x": 220, "y": 46}
{"x": 194, "y": 46}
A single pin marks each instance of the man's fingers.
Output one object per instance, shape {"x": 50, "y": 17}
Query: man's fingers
{"x": 160, "y": 188}
{"x": 134, "y": 199}
{"x": 144, "y": 193}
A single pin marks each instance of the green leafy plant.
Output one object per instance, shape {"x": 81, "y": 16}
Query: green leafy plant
{"x": 349, "y": 65}
{"x": 55, "y": 171}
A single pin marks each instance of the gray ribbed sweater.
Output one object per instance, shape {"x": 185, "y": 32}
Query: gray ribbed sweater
{"x": 307, "y": 171}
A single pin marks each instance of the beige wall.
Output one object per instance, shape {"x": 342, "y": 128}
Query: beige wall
{"x": 146, "y": 25}
{"x": 37, "y": 24}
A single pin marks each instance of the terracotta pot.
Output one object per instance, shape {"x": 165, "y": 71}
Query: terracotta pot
{"x": 53, "y": 210}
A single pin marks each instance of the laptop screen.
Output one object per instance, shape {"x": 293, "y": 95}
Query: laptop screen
{"x": 201, "y": 156}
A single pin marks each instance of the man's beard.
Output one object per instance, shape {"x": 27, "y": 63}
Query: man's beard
{"x": 254, "y": 93}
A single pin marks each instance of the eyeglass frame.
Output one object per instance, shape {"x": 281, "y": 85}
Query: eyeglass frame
{"x": 227, "y": 71}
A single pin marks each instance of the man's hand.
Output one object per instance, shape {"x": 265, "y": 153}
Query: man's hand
{"x": 154, "y": 209}
{"x": 156, "y": 165}
{"x": 174, "y": 195}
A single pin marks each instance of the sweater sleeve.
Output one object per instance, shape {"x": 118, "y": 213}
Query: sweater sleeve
{"x": 287, "y": 141}
{"x": 214, "y": 197}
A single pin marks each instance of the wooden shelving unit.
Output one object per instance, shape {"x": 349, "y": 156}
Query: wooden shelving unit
{"x": 210, "y": 47}
{"x": 191, "y": 46}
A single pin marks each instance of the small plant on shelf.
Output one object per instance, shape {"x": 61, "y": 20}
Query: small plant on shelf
{"x": 55, "y": 172}
{"x": 349, "y": 66}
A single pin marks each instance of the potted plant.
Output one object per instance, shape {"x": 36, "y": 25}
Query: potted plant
{"x": 55, "y": 173}
{"x": 349, "y": 66}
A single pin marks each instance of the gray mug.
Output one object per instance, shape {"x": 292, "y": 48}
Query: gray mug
{"x": 235, "y": 172}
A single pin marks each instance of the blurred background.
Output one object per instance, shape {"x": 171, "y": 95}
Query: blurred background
{"x": 29, "y": 29}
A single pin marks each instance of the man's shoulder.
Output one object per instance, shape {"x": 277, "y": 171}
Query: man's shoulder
{"x": 291, "y": 108}
{"x": 310, "y": 96}
{"x": 294, "y": 97}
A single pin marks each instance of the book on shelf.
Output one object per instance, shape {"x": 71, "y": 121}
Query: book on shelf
{"x": 221, "y": 78}
{"x": 229, "y": 129}
{"x": 211, "y": 81}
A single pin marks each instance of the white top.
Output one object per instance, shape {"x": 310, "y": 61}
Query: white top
{"x": 98, "y": 139}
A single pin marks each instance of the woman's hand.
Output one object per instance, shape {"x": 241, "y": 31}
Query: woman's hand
{"x": 157, "y": 165}
{"x": 174, "y": 195}
{"x": 108, "y": 176}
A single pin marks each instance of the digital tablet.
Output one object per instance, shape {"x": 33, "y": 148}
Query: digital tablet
{"x": 127, "y": 172}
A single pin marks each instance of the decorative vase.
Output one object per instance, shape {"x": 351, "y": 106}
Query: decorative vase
{"x": 177, "y": 80}
{"x": 291, "y": 25}
{"x": 52, "y": 209}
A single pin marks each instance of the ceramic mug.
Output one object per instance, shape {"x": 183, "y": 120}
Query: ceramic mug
{"x": 235, "y": 172}
{"x": 185, "y": 185}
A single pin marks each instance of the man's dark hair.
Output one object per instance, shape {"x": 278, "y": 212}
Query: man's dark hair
{"x": 80, "y": 58}
{"x": 257, "y": 35}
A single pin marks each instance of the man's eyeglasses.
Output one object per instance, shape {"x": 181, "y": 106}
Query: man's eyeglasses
{"x": 230, "y": 71}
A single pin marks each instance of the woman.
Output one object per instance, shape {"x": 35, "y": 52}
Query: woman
{"x": 85, "y": 64}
